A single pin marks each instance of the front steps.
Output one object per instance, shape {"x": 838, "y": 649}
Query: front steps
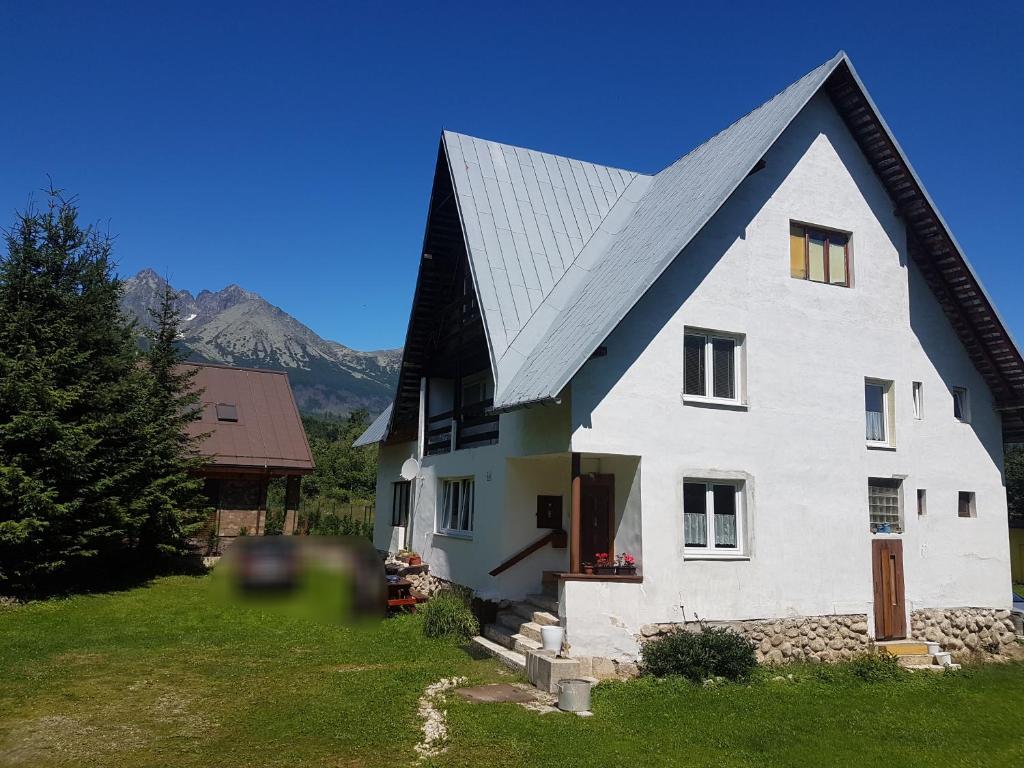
{"x": 915, "y": 654}
{"x": 515, "y": 640}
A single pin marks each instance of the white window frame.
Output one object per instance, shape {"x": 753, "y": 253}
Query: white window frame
{"x": 444, "y": 515}
{"x": 709, "y": 551}
{"x": 917, "y": 393}
{"x": 738, "y": 340}
{"x": 965, "y": 404}
{"x": 901, "y": 517}
{"x": 888, "y": 414}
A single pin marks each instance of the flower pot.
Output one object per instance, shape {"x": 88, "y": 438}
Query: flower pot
{"x": 625, "y": 570}
{"x": 551, "y": 638}
{"x": 604, "y": 570}
{"x": 415, "y": 560}
{"x": 588, "y": 569}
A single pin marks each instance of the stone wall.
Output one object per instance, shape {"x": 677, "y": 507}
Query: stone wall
{"x": 964, "y": 630}
{"x": 804, "y": 638}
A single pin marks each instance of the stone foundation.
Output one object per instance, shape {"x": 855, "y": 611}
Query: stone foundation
{"x": 804, "y": 638}
{"x": 964, "y": 630}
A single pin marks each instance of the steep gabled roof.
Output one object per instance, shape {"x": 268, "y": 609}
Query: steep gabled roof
{"x": 541, "y": 331}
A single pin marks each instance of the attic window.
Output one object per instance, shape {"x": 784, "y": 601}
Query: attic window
{"x": 819, "y": 255}
{"x": 227, "y": 412}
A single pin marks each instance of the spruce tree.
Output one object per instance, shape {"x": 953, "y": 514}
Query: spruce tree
{"x": 69, "y": 394}
{"x": 176, "y": 507}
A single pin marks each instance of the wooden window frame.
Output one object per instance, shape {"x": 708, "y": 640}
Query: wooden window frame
{"x": 401, "y": 496}
{"x": 442, "y": 501}
{"x": 823, "y": 233}
{"x": 738, "y": 341}
{"x": 711, "y": 551}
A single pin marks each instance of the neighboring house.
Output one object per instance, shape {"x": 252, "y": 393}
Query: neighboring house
{"x": 254, "y": 434}
{"x": 767, "y": 372}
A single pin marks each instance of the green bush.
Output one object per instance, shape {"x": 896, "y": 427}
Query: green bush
{"x": 447, "y": 614}
{"x": 876, "y": 667}
{"x": 697, "y": 656}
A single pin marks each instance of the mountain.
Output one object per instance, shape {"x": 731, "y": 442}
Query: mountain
{"x": 237, "y": 327}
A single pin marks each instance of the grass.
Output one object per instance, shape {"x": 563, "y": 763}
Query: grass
{"x": 164, "y": 675}
{"x": 1018, "y": 590}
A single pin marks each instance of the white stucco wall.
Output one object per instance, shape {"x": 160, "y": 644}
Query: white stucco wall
{"x": 801, "y": 441}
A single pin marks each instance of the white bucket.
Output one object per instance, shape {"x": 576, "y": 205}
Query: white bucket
{"x": 551, "y": 638}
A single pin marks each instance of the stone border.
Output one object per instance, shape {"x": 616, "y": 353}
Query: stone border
{"x": 962, "y": 631}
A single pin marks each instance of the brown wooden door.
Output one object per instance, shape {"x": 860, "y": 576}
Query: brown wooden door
{"x": 890, "y": 606}
{"x": 597, "y": 516}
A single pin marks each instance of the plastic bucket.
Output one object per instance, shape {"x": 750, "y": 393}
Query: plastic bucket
{"x": 574, "y": 695}
{"x": 551, "y": 638}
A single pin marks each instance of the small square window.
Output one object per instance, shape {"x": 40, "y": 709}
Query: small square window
{"x": 713, "y": 517}
{"x": 885, "y": 513}
{"x": 819, "y": 255}
{"x": 966, "y": 504}
{"x": 227, "y": 412}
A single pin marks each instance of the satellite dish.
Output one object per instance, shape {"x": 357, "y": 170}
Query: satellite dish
{"x": 410, "y": 469}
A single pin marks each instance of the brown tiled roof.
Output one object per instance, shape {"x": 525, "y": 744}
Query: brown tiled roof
{"x": 268, "y": 433}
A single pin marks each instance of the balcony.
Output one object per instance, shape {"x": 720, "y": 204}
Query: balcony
{"x": 469, "y": 427}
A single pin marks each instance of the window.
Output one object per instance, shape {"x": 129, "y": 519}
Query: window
{"x": 878, "y": 426}
{"x": 918, "y": 392}
{"x": 713, "y": 516}
{"x": 819, "y": 255}
{"x": 711, "y": 366}
{"x": 961, "y": 405}
{"x": 884, "y": 511}
{"x": 922, "y": 502}
{"x": 400, "y": 503}
{"x": 227, "y": 412}
{"x": 965, "y": 504}
{"x": 456, "y": 513}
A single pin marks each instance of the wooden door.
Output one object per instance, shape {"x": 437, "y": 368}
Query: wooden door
{"x": 890, "y": 605}
{"x": 597, "y": 516}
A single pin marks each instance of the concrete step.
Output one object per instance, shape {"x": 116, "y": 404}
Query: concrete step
{"x": 509, "y": 621}
{"x": 544, "y": 603}
{"x": 531, "y": 630}
{"x": 530, "y": 613}
{"x": 514, "y": 641}
{"x": 930, "y": 667}
{"x": 915, "y": 659}
{"x": 514, "y": 661}
{"x": 903, "y": 647}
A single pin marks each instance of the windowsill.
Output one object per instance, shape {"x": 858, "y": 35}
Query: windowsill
{"x": 634, "y": 579}
{"x": 887, "y": 533}
{"x": 455, "y": 535}
{"x": 715, "y": 402}
{"x": 880, "y": 447}
{"x": 711, "y": 555}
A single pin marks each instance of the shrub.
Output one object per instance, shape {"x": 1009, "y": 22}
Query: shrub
{"x": 447, "y": 614}
{"x": 875, "y": 667}
{"x": 697, "y": 656}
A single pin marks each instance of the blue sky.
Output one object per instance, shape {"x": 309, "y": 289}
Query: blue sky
{"x": 289, "y": 147}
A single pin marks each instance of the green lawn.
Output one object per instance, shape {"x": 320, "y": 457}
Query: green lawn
{"x": 164, "y": 676}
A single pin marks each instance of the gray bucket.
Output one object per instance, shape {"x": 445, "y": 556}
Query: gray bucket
{"x": 574, "y": 695}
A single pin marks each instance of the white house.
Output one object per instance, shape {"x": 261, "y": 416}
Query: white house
{"x": 766, "y": 372}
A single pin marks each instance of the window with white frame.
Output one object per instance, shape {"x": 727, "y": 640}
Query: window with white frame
{"x": 918, "y": 394}
{"x": 713, "y": 517}
{"x": 885, "y": 505}
{"x": 711, "y": 365}
{"x": 455, "y": 515}
{"x": 961, "y": 404}
{"x": 878, "y": 416}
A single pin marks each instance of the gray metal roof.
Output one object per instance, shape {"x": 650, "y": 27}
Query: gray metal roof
{"x": 377, "y": 429}
{"x": 671, "y": 209}
{"x": 526, "y": 217}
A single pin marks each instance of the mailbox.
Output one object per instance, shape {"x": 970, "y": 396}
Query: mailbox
{"x": 549, "y": 512}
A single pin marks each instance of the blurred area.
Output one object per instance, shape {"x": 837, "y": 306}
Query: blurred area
{"x": 333, "y": 580}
